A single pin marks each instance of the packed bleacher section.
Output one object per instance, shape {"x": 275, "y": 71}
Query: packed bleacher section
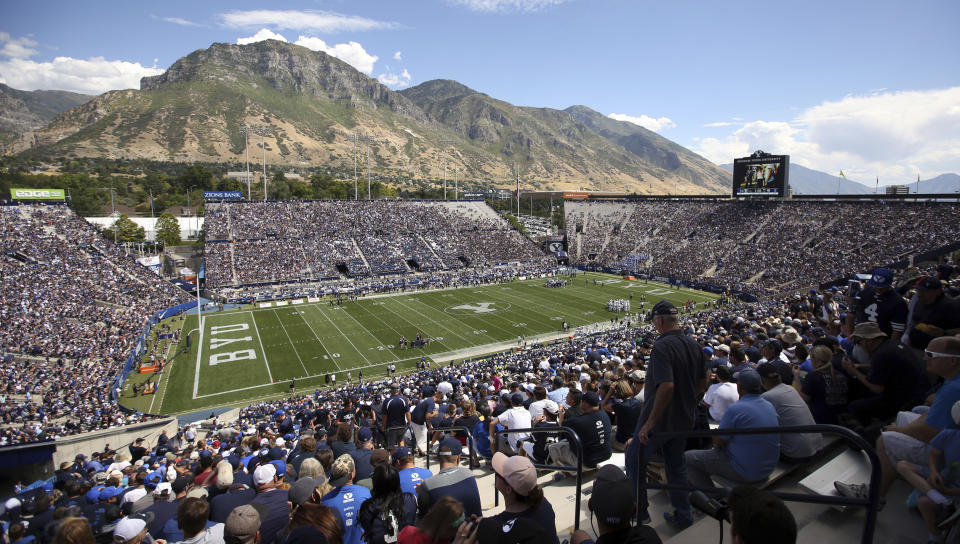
{"x": 251, "y": 243}
{"x": 313, "y": 448}
{"x": 766, "y": 247}
{"x": 72, "y": 308}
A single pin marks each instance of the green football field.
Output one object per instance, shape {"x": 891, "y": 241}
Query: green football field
{"x": 245, "y": 355}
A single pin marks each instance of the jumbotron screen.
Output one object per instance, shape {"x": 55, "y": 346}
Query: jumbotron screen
{"x": 766, "y": 175}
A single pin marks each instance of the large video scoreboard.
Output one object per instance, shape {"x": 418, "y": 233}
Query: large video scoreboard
{"x": 761, "y": 174}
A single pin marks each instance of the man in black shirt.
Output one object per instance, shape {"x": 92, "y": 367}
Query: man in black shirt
{"x": 896, "y": 380}
{"x": 594, "y": 430}
{"x": 395, "y": 414}
{"x": 676, "y": 377}
{"x": 137, "y": 451}
{"x": 880, "y": 304}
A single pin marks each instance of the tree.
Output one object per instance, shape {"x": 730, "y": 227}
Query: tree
{"x": 197, "y": 175}
{"x": 168, "y": 230}
{"x": 125, "y": 230}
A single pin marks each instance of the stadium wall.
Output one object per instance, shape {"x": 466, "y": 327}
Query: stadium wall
{"x": 117, "y": 438}
{"x": 27, "y": 463}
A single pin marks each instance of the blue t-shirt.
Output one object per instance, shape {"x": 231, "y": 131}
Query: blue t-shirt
{"x": 410, "y": 477}
{"x": 347, "y": 501}
{"x": 939, "y": 415}
{"x": 948, "y": 442}
{"x": 753, "y": 456}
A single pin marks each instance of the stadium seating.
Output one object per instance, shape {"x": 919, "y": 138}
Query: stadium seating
{"x": 72, "y": 307}
{"x": 767, "y": 247}
{"x": 293, "y": 241}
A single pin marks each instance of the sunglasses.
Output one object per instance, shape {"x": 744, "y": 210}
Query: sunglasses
{"x": 935, "y": 355}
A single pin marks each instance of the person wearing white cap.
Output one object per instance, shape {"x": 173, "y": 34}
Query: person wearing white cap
{"x": 537, "y": 448}
{"x": 265, "y": 478}
{"x": 130, "y": 530}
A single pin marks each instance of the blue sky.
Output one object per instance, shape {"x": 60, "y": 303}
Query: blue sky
{"x": 869, "y": 87}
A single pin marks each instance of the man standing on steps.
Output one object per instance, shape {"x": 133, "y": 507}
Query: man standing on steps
{"x": 395, "y": 414}
{"x": 676, "y": 376}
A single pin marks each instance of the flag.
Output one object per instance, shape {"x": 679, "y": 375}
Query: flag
{"x": 842, "y": 175}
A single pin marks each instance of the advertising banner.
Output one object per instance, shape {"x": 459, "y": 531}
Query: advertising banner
{"x": 37, "y": 194}
{"x": 222, "y": 195}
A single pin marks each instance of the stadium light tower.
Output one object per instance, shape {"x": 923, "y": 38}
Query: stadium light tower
{"x": 246, "y": 130}
{"x": 369, "y": 140}
{"x": 356, "y": 136}
{"x": 445, "y": 143}
{"x": 263, "y": 131}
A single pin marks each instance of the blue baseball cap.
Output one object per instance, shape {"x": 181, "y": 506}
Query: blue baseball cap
{"x": 882, "y": 277}
{"x": 94, "y": 493}
{"x": 281, "y": 467}
{"x": 108, "y": 493}
{"x": 400, "y": 453}
{"x": 151, "y": 481}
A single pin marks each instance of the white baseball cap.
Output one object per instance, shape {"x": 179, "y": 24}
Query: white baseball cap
{"x": 128, "y": 529}
{"x": 264, "y": 474}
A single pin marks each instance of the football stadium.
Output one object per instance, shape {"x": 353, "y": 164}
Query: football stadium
{"x": 316, "y": 316}
{"x": 389, "y": 273}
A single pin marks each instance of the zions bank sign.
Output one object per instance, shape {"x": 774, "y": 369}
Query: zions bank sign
{"x": 37, "y": 194}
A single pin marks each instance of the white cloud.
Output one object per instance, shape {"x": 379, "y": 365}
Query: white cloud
{"x": 893, "y": 135}
{"x": 647, "y": 122}
{"x": 262, "y": 35}
{"x": 395, "y": 81}
{"x": 316, "y": 21}
{"x": 398, "y": 56}
{"x": 16, "y": 48}
{"x": 721, "y": 124}
{"x": 351, "y": 52}
{"x": 91, "y": 76}
{"x": 181, "y": 22}
{"x": 523, "y": 6}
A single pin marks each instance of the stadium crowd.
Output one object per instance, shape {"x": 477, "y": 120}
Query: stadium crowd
{"x": 336, "y": 454}
{"x": 72, "y": 307}
{"x": 862, "y": 357}
{"x": 766, "y": 247}
{"x": 297, "y": 241}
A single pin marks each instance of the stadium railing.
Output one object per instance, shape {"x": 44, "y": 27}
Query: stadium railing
{"x": 870, "y": 503}
{"x": 577, "y": 445}
{"x": 470, "y": 442}
{"x": 404, "y": 428}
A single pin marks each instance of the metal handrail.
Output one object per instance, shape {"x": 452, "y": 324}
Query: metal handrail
{"x": 386, "y": 431}
{"x": 578, "y": 446}
{"x": 459, "y": 428}
{"x": 870, "y": 502}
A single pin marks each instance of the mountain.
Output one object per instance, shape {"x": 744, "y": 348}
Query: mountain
{"x": 315, "y": 105}
{"x": 23, "y": 111}
{"x": 942, "y": 184}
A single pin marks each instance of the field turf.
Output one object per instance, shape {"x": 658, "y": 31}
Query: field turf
{"x": 253, "y": 353}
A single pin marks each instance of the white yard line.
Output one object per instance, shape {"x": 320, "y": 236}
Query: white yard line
{"x": 373, "y": 365}
{"x": 295, "y": 352}
{"x": 196, "y": 374}
{"x": 368, "y": 330}
{"x": 317, "y": 307}
{"x": 256, "y": 329}
{"x": 433, "y": 322}
{"x": 315, "y": 335}
{"x": 167, "y": 376}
